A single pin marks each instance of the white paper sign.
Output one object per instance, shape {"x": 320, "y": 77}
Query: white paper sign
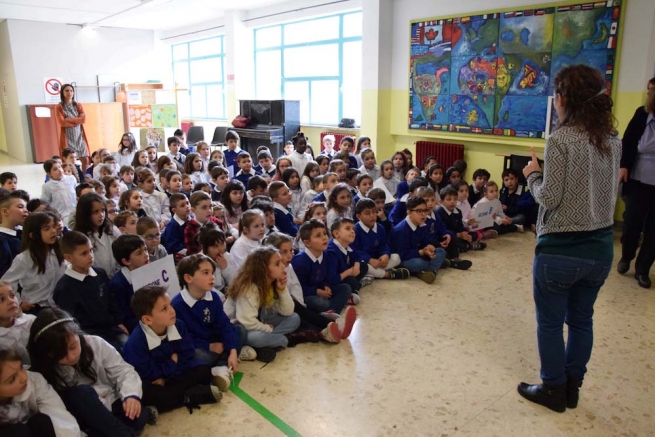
{"x": 42, "y": 112}
{"x": 52, "y": 89}
{"x": 379, "y": 184}
{"x": 483, "y": 216}
{"x": 161, "y": 272}
{"x": 134, "y": 97}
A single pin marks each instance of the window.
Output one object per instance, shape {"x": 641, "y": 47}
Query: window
{"x": 199, "y": 66}
{"x": 316, "y": 61}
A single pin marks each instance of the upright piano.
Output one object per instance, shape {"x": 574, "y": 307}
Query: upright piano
{"x": 273, "y": 123}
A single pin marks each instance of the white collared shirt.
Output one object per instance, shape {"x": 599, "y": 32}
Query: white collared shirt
{"x": 8, "y": 231}
{"x": 313, "y": 258}
{"x": 343, "y": 250}
{"x": 280, "y": 207}
{"x": 172, "y": 334}
{"x": 411, "y": 224}
{"x": 127, "y": 273}
{"x": 191, "y": 301}
{"x": 18, "y": 335}
{"x": 79, "y": 276}
{"x": 242, "y": 248}
{"x": 37, "y": 288}
{"x": 178, "y": 220}
{"x": 367, "y": 229}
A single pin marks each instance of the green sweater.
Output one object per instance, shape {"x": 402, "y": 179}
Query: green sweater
{"x": 597, "y": 245}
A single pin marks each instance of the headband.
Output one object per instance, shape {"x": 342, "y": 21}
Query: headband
{"x": 601, "y": 92}
{"x": 50, "y": 325}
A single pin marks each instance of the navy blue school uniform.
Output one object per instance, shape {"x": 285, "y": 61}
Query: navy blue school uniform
{"x": 519, "y": 202}
{"x": 80, "y": 175}
{"x": 10, "y": 243}
{"x": 244, "y": 177}
{"x": 320, "y": 197}
{"x": 407, "y": 242}
{"x": 352, "y": 162}
{"x": 270, "y": 173}
{"x": 173, "y": 236}
{"x": 284, "y": 220}
{"x": 386, "y": 224}
{"x": 371, "y": 243}
{"x": 473, "y": 196}
{"x": 206, "y": 320}
{"x": 314, "y": 275}
{"x": 436, "y": 229}
{"x": 122, "y": 291}
{"x": 399, "y": 211}
{"x": 230, "y": 159}
{"x": 153, "y": 361}
{"x": 453, "y": 221}
{"x": 402, "y": 189}
{"x": 343, "y": 261}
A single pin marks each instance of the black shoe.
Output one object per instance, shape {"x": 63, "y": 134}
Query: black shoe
{"x": 302, "y": 336}
{"x": 642, "y": 280}
{"x": 265, "y": 354}
{"x": 460, "y": 264}
{"x": 553, "y": 397}
{"x": 401, "y": 273}
{"x": 572, "y": 392}
{"x": 478, "y": 245}
{"x": 445, "y": 264}
{"x": 200, "y": 395}
{"x": 623, "y": 266}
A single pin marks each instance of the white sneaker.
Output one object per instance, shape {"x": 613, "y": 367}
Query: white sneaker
{"x": 221, "y": 377}
{"x": 366, "y": 280}
{"x": 519, "y": 228}
{"x": 346, "y": 321}
{"x": 331, "y": 333}
{"x": 354, "y": 299}
{"x": 330, "y": 315}
{"x": 247, "y": 354}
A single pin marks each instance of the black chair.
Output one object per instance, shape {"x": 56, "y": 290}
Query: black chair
{"x": 518, "y": 162}
{"x": 195, "y": 135}
{"x": 219, "y": 136}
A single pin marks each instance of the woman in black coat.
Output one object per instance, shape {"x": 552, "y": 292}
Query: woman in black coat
{"x": 638, "y": 176}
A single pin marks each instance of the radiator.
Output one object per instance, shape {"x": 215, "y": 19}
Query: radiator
{"x": 337, "y": 139}
{"x": 445, "y": 153}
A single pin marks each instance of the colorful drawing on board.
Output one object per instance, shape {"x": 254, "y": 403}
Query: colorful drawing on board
{"x": 493, "y": 73}
{"x": 152, "y": 137}
{"x": 140, "y": 116}
{"x": 164, "y": 116}
{"x": 148, "y": 97}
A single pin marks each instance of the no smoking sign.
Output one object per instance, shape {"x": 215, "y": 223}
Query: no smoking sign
{"x": 51, "y": 89}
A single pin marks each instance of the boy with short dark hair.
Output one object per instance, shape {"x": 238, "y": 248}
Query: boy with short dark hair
{"x": 233, "y": 150}
{"x": 127, "y": 177}
{"x": 256, "y": 187}
{"x": 452, "y": 218}
{"x": 350, "y": 264}
{"x": 371, "y": 242}
{"x": 126, "y": 222}
{"x": 244, "y": 162}
{"x": 321, "y": 284}
{"x": 217, "y": 342}
{"x": 518, "y": 203}
{"x": 161, "y": 351}
{"x": 269, "y": 214}
{"x": 8, "y": 181}
{"x": 330, "y": 179}
{"x": 411, "y": 241}
{"x": 59, "y": 191}
{"x": 364, "y": 184}
{"x": 201, "y": 207}
{"x": 69, "y": 156}
{"x": 148, "y": 229}
{"x": 174, "y": 152}
{"x": 281, "y": 196}
{"x": 173, "y": 236}
{"x": 266, "y": 166}
{"x": 476, "y": 190}
{"x": 220, "y": 178}
{"x": 83, "y": 291}
{"x": 130, "y": 253}
{"x": 399, "y": 210}
{"x": 13, "y": 211}
{"x": 379, "y": 196}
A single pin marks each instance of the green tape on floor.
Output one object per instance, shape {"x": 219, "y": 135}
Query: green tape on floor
{"x": 262, "y": 410}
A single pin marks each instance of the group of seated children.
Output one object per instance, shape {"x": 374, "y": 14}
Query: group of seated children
{"x": 268, "y": 256}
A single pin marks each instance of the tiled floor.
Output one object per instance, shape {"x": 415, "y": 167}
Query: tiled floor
{"x": 441, "y": 360}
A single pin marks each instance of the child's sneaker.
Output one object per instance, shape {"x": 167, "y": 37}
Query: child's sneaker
{"x": 346, "y": 321}
{"x": 519, "y": 228}
{"x": 478, "y": 245}
{"x": 331, "y": 333}
{"x": 427, "y": 277}
{"x": 354, "y": 299}
{"x": 489, "y": 234}
{"x": 401, "y": 273}
{"x": 460, "y": 264}
{"x": 201, "y": 394}
{"x": 302, "y": 336}
{"x": 366, "y": 280}
{"x": 154, "y": 414}
{"x": 445, "y": 264}
{"x": 247, "y": 354}
{"x": 221, "y": 377}
{"x": 330, "y": 315}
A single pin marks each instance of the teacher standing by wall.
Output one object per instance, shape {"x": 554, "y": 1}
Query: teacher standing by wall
{"x": 638, "y": 177}
{"x": 71, "y": 118}
{"x": 576, "y": 192}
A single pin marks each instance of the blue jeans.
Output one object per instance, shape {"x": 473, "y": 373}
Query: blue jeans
{"x": 283, "y": 325}
{"x": 418, "y": 265}
{"x": 565, "y": 290}
{"x": 213, "y": 359}
{"x": 340, "y": 295}
{"x": 93, "y": 417}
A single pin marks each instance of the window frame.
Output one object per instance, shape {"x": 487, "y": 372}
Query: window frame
{"x": 189, "y": 59}
{"x": 340, "y": 41}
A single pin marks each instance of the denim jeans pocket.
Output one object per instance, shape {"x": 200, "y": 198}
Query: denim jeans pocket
{"x": 559, "y": 277}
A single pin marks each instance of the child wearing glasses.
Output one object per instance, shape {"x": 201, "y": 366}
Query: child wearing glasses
{"x": 148, "y": 229}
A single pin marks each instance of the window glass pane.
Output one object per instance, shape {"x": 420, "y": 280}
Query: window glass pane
{"x": 215, "y": 101}
{"x": 206, "y": 70}
{"x": 352, "y": 25}
{"x": 311, "y": 30}
{"x": 325, "y": 102}
{"x": 352, "y": 80}
{"x": 198, "y": 101}
{"x": 205, "y": 47}
{"x": 269, "y": 75}
{"x": 181, "y": 74}
{"x": 299, "y": 91}
{"x": 318, "y": 60}
{"x": 180, "y": 51}
{"x": 183, "y": 104}
{"x": 268, "y": 37}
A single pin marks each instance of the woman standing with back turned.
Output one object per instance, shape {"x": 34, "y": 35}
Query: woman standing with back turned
{"x": 576, "y": 192}
{"x": 71, "y": 118}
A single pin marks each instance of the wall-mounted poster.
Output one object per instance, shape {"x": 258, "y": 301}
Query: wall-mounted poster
{"x": 164, "y": 116}
{"x": 140, "y": 116}
{"x": 493, "y": 73}
{"x": 152, "y": 137}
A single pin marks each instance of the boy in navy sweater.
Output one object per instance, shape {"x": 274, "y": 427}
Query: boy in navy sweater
{"x": 452, "y": 218}
{"x": 439, "y": 234}
{"x": 518, "y": 203}
{"x": 371, "y": 243}
{"x": 130, "y": 253}
{"x": 233, "y": 150}
{"x": 244, "y": 162}
{"x": 217, "y": 342}
{"x": 330, "y": 179}
{"x": 161, "y": 351}
{"x": 220, "y": 178}
{"x": 13, "y": 211}
{"x": 84, "y": 292}
{"x": 378, "y": 196}
{"x": 350, "y": 264}
{"x": 364, "y": 184}
{"x": 173, "y": 237}
{"x": 412, "y": 242}
{"x": 399, "y": 210}
{"x": 321, "y": 285}
{"x": 476, "y": 189}
{"x": 281, "y": 196}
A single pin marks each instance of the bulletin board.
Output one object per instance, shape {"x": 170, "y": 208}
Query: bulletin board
{"x": 492, "y": 73}
{"x": 152, "y": 109}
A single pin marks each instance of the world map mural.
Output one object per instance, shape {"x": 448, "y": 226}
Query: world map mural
{"x": 493, "y": 73}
